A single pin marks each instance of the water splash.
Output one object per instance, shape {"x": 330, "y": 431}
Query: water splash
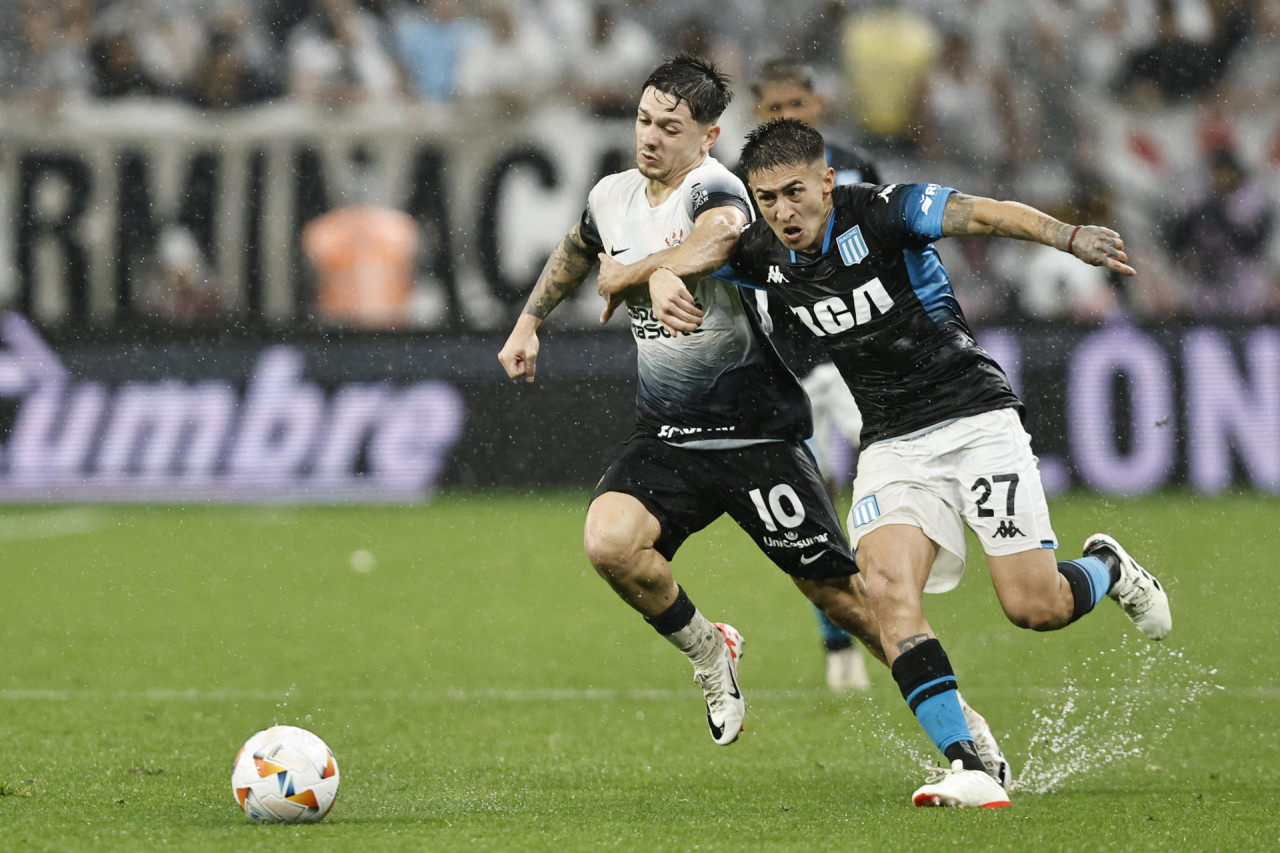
{"x": 1089, "y": 723}
{"x": 900, "y": 741}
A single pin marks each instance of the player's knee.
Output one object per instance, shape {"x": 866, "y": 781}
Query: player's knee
{"x": 608, "y": 548}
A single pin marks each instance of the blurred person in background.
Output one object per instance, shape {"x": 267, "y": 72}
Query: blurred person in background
{"x": 785, "y": 89}
{"x": 236, "y": 70}
{"x": 181, "y": 289}
{"x": 241, "y": 66}
{"x": 1220, "y": 243}
{"x": 512, "y": 63}
{"x": 44, "y": 56}
{"x": 1176, "y": 66}
{"x": 431, "y": 37}
{"x": 339, "y": 55}
{"x": 618, "y": 50}
{"x": 165, "y": 37}
{"x": 888, "y": 53}
{"x": 967, "y": 133}
{"x": 118, "y": 71}
{"x": 363, "y": 254}
{"x": 1253, "y": 78}
{"x": 965, "y": 117}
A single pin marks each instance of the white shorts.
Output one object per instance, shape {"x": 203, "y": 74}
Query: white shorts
{"x": 977, "y": 470}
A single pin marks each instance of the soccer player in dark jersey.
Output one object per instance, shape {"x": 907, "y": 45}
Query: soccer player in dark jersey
{"x": 943, "y": 441}
{"x": 785, "y": 89}
{"x": 721, "y": 422}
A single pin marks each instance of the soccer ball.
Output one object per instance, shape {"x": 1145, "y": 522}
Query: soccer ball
{"x": 285, "y": 774}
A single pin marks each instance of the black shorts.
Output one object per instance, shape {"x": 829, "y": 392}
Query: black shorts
{"x": 772, "y": 490}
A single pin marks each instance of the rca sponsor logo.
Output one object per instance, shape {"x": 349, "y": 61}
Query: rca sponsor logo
{"x": 278, "y": 437}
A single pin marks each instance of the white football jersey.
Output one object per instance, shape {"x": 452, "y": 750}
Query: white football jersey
{"x": 717, "y": 386}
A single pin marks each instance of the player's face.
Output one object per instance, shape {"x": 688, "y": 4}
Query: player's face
{"x": 785, "y": 99}
{"x": 796, "y": 202}
{"x": 668, "y": 141}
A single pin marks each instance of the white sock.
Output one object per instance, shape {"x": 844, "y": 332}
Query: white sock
{"x": 700, "y": 641}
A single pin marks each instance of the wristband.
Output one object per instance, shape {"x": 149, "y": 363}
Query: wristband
{"x": 1072, "y": 238}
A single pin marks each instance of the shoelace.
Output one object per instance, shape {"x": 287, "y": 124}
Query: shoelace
{"x": 1139, "y": 596}
{"x": 712, "y": 683}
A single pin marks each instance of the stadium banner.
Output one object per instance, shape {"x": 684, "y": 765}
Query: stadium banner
{"x": 94, "y": 198}
{"x": 1119, "y": 410}
{"x": 91, "y": 202}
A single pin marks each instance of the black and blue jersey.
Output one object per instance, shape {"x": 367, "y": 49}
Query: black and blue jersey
{"x": 799, "y": 349}
{"x": 878, "y": 297}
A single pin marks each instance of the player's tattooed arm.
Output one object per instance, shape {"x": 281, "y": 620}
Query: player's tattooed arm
{"x": 974, "y": 215}
{"x": 561, "y": 277}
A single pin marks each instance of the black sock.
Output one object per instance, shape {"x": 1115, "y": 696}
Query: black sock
{"x": 927, "y": 682}
{"x": 1081, "y": 588}
{"x": 1109, "y": 559}
{"x": 675, "y": 617}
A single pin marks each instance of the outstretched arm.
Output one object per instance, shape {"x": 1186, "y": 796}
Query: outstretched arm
{"x": 974, "y": 215}
{"x": 561, "y": 277}
{"x": 705, "y": 250}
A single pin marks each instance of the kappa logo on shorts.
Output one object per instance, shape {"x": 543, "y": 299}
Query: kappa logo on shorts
{"x": 865, "y": 511}
{"x": 1007, "y": 530}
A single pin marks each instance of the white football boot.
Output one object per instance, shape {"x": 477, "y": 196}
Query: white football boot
{"x": 960, "y": 788}
{"x": 847, "y": 670}
{"x": 1139, "y": 594}
{"x": 719, "y": 682}
{"x": 988, "y": 748}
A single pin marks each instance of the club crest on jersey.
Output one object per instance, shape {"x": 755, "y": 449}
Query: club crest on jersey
{"x": 775, "y": 275}
{"x": 851, "y": 245}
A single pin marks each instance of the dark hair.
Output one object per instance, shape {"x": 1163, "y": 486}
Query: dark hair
{"x": 701, "y": 85}
{"x": 782, "y": 71}
{"x": 781, "y": 142}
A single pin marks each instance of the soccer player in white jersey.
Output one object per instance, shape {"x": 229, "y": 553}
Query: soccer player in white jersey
{"x": 721, "y": 422}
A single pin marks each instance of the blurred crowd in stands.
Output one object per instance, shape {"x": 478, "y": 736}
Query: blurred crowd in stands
{"x": 995, "y": 97}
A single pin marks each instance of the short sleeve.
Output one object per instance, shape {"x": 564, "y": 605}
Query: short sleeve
{"x": 589, "y": 232}
{"x": 920, "y": 207}
{"x": 714, "y": 188}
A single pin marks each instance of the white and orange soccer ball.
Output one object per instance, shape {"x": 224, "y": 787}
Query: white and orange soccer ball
{"x": 285, "y": 774}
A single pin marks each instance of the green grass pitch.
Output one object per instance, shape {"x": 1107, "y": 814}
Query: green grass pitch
{"x": 482, "y": 689}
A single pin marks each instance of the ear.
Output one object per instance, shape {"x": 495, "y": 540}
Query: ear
{"x": 713, "y": 133}
{"x": 828, "y": 181}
